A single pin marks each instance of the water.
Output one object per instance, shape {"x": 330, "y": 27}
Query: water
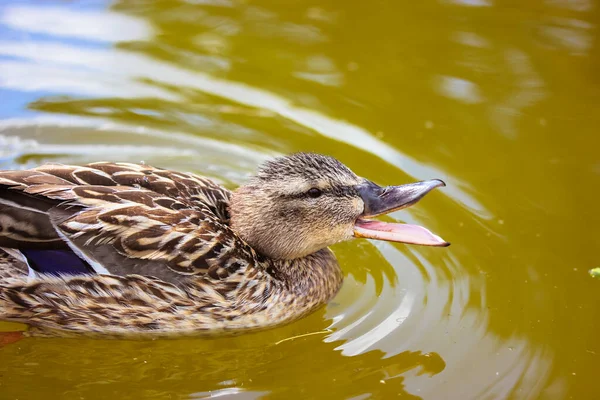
{"x": 499, "y": 100}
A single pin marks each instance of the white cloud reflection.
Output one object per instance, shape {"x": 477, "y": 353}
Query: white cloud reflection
{"x": 104, "y": 26}
{"x": 459, "y": 89}
{"x": 177, "y": 150}
{"x": 20, "y": 75}
{"x": 471, "y": 3}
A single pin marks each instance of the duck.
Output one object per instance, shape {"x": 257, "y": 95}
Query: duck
{"x": 130, "y": 250}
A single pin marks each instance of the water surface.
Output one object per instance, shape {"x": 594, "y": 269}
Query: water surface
{"x": 498, "y": 99}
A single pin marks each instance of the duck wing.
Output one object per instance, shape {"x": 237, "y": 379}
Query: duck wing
{"x": 121, "y": 219}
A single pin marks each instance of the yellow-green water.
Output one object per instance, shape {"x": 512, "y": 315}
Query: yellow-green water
{"x": 501, "y": 100}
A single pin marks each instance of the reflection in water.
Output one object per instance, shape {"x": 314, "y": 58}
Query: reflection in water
{"x": 459, "y": 89}
{"x": 86, "y": 25}
{"x": 182, "y": 151}
{"x": 472, "y": 3}
{"x": 320, "y": 69}
{"x": 239, "y": 393}
{"x": 155, "y": 369}
{"x": 13, "y": 147}
{"x": 528, "y": 89}
{"x": 573, "y": 34}
{"x": 414, "y": 322}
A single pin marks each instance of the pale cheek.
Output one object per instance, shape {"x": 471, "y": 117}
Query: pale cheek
{"x": 359, "y": 206}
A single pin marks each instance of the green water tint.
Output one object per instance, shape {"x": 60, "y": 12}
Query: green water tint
{"x": 498, "y": 101}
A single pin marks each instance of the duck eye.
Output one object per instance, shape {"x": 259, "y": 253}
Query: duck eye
{"x": 314, "y": 192}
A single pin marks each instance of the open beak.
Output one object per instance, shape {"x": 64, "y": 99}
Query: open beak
{"x": 383, "y": 200}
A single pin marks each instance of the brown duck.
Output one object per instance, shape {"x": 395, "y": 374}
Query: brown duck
{"x": 123, "y": 249}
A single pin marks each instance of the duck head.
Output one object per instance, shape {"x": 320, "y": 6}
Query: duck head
{"x": 299, "y": 204}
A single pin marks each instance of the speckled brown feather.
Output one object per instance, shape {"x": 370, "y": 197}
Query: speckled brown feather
{"x": 176, "y": 266}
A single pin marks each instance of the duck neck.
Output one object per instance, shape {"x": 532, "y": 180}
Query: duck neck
{"x": 317, "y": 276}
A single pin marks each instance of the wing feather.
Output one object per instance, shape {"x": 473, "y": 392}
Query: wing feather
{"x": 134, "y": 219}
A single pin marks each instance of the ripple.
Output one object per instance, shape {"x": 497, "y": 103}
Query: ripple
{"x": 239, "y": 393}
{"x": 94, "y": 25}
{"x": 436, "y": 305}
{"x": 176, "y": 150}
